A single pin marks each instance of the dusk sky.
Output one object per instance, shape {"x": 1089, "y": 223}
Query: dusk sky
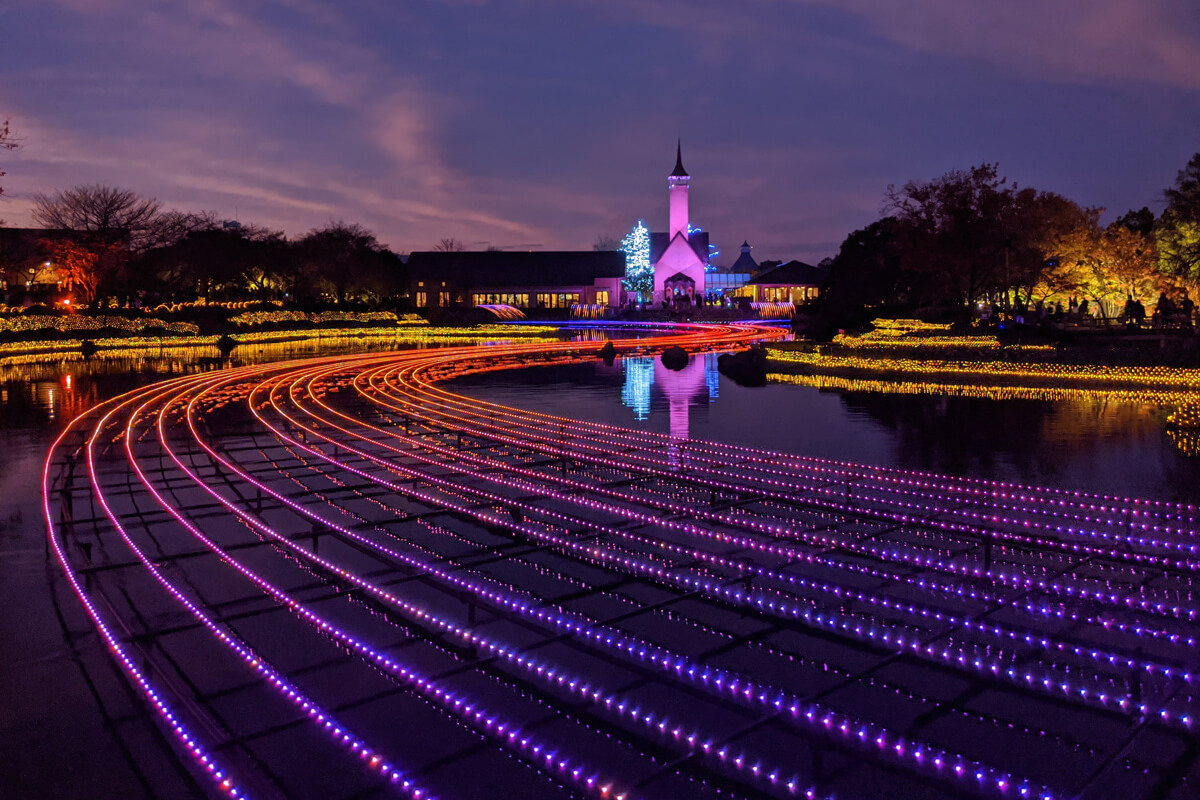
{"x": 534, "y": 123}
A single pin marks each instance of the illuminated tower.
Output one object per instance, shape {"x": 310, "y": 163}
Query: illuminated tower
{"x": 679, "y": 254}
{"x": 678, "y": 183}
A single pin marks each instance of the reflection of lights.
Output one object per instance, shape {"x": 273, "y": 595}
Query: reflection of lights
{"x": 29, "y": 352}
{"x": 1092, "y": 374}
{"x": 712, "y": 378}
{"x": 639, "y": 377}
{"x": 67, "y": 381}
{"x": 1161, "y": 386}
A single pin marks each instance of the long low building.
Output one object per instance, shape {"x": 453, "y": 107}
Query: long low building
{"x": 527, "y": 280}
{"x": 794, "y": 282}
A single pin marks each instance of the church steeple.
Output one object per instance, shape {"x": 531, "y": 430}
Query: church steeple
{"x": 677, "y": 184}
{"x": 679, "y": 172}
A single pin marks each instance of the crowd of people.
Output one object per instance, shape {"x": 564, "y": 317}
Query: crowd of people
{"x": 1168, "y": 313}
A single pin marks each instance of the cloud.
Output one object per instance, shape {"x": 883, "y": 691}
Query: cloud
{"x": 1154, "y": 41}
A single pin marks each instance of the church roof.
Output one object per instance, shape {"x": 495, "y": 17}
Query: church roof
{"x": 517, "y": 268}
{"x": 679, "y": 172}
{"x": 660, "y": 241}
{"x": 793, "y": 273}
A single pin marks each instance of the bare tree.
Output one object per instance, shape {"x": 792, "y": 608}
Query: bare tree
{"x": 169, "y": 227}
{"x": 604, "y": 243}
{"x": 449, "y": 245}
{"x": 7, "y": 142}
{"x": 100, "y": 209}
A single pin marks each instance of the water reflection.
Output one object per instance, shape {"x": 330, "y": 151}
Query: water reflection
{"x": 696, "y": 384}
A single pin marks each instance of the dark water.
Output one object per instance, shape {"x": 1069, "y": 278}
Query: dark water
{"x": 1098, "y": 445}
{"x": 49, "y": 717}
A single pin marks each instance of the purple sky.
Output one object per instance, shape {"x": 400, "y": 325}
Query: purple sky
{"x": 522, "y": 122}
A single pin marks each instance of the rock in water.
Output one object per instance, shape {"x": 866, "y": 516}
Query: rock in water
{"x": 675, "y": 358}
{"x": 608, "y": 353}
{"x": 747, "y": 368}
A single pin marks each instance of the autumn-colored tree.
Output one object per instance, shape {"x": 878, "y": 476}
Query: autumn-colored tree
{"x": 82, "y": 266}
{"x": 1179, "y": 228}
{"x": 1036, "y": 224}
{"x": 1107, "y": 265}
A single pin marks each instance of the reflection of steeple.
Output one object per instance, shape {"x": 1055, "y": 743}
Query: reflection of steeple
{"x": 681, "y": 388}
{"x": 692, "y": 385}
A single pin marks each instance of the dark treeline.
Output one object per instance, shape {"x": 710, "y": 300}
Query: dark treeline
{"x": 942, "y": 247}
{"x": 103, "y": 242}
{"x": 948, "y": 245}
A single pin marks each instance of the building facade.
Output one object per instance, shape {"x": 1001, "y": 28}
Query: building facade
{"x": 679, "y": 255}
{"x": 526, "y": 280}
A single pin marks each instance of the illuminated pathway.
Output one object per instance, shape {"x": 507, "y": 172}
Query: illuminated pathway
{"x": 335, "y": 579}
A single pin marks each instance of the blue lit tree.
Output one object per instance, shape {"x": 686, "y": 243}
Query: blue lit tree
{"x": 639, "y": 272}
{"x": 713, "y": 252}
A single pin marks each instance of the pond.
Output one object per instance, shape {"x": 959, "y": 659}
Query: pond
{"x": 49, "y": 725}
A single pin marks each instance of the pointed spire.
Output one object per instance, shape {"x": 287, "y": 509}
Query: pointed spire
{"x": 679, "y": 172}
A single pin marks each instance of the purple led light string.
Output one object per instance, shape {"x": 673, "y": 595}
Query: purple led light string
{"x": 200, "y": 753}
{"x": 540, "y": 753}
{"x": 658, "y": 722}
{"x": 441, "y": 397}
{"x": 225, "y": 784}
{"x": 1026, "y": 677}
{"x": 513, "y": 591}
{"x": 841, "y": 592}
{"x": 1132, "y": 602}
{"x": 323, "y": 720}
{"x": 920, "y": 753}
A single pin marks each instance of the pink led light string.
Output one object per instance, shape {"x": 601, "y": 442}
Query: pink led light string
{"x": 839, "y": 592}
{"x": 1135, "y": 510}
{"x": 919, "y": 752}
{"x": 285, "y": 402}
{"x": 836, "y": 488}
{"x": 324, "y": 721}
{"x": 910, "y": 514}
{"x": 1036, "y": 495}
{"x": 1015, "y": 635}
{"x": 198, "y": 752}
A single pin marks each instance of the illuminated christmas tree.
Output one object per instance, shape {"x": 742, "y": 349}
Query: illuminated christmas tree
{"x": 639, "y": 273}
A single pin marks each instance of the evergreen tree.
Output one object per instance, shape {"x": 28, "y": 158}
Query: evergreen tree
{"x": 639, "y": 272}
